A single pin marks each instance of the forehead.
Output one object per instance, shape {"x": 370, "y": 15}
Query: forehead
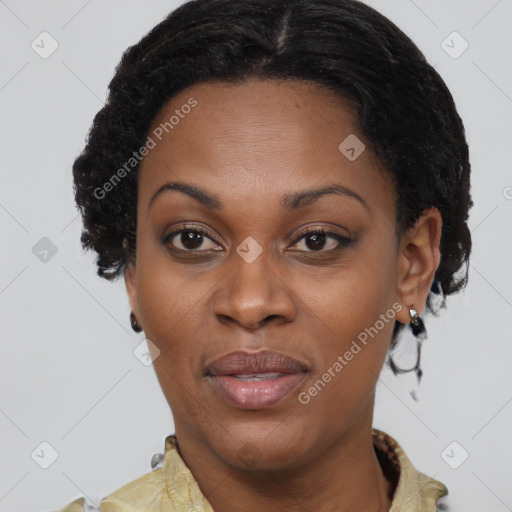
{"x": 256, "y": 136}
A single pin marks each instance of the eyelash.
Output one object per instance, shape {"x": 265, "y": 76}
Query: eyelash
{"x": 343, "y": 241}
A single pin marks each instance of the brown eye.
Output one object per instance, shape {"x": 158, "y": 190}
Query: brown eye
{"x": 320, "y": 240}
{"x": 191, "y": 239}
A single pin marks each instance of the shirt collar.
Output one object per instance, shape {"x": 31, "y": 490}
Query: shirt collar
{"x": 172, "y": 487}
{"x": 415, "y": 490}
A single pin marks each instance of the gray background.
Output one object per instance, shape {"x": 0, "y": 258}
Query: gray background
{"x": 68, "y": 373}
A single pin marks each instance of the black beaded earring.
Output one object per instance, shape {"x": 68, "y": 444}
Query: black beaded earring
{"x": 419, "y": 331}
{"x": 135, "y": 326}
{"x": 417, "y": 325}
{"x": 420, "y": 334}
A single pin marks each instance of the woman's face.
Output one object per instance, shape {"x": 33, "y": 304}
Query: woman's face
{"x": 258, "y": 176}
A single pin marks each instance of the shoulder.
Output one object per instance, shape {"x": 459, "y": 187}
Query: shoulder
{"x": 169, "y": 486}
{"x": 136, "y": 495}
{"x": 414, "y": 490}
{"x": 80, "y": 505}
{"x": 74, "y": 506}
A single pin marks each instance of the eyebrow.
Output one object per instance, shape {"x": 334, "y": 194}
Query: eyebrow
{"x": 289, "y": 202}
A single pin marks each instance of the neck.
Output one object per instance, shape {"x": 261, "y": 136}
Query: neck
{"x": 345, "y": 477}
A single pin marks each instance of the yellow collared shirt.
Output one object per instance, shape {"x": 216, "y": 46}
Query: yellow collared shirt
{"x": 172, "y": 488}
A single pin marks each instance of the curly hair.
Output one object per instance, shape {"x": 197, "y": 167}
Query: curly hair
{"x": 404, "y": 110}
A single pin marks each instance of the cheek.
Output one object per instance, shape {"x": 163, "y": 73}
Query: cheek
{"x": 355, "y": 307}
{"x": 171, "y": 312}
{"x": 352, "y": 296}
{"x": 172, "y": 306}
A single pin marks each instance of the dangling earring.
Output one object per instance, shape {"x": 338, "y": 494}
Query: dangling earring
{"x": 419, "y": 331}
{"x": 135, "y": 326}
{"x": 417, "y": 325}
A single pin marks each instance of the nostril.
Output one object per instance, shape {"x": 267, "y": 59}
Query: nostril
{"x": 225, "y": 319}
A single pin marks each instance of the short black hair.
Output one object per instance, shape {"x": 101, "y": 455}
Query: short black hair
{"x": 405, "y": 112}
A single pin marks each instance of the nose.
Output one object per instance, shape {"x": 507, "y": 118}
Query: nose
{"x": 253, "y": 294}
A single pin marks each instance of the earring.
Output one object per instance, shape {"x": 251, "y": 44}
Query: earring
{"x": 417, "y": 325}
{"x": 420, "y": 334}
{"x": 135, "y": 326}
{"x": 419, "y": 331}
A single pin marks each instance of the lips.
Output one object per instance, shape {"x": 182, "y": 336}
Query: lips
{"x": 255, "y": 380}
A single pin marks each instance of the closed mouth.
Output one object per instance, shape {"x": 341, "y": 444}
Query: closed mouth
{"x": 255, "y": 380}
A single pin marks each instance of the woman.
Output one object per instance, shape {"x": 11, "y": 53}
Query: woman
{"x": 284, "y": 186}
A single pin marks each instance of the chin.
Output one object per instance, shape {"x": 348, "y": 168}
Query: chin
{"x": 264, "y": 446}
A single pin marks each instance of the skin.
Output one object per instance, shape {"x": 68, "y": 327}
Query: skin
{"x": 249, "y": 145}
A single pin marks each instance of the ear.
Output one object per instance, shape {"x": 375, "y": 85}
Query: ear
{"x": 418, "y": 259}
{"x": 131, "y": 288}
